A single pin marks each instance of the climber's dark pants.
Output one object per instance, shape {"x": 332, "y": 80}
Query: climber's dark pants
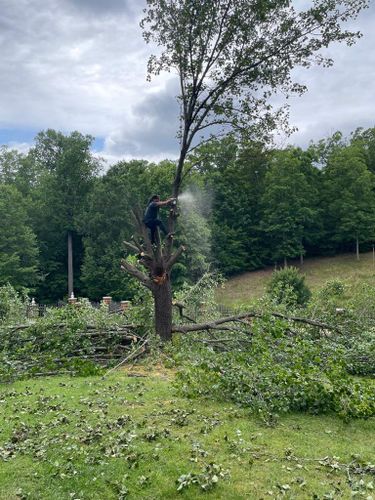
{"x": 153, "y": 225}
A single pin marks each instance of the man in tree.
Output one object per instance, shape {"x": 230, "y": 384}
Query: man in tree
{"x": 150, "y": 218}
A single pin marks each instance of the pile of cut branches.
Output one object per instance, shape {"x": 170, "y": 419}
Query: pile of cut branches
{"x": 68, "y": 340}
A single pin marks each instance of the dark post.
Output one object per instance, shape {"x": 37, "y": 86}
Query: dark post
{"x": 70, "y": 264}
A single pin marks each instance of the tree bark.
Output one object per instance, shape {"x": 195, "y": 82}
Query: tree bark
{"x": 70, "y": 264}
{"x": 163, "y": 309}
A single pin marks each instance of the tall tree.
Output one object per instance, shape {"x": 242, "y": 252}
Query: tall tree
{"x": 234, "y": 177}
{"x": 349, "y": 198}
{"x": 365, "y": 139}
{"x": 286, "y": 210}
{"x": 68, "y": 170}
{"x": 230, "y": 57}
{"x": 313, "y": 231}
{"x": 18, "y": 246}
{"x": 17, "y": 169}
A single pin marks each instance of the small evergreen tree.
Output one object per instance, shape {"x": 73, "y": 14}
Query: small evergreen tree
{"x": 288, "y": 286}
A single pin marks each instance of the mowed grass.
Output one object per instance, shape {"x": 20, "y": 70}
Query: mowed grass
{"x": 247, "y": 286}
{"x": 132, "y": 437}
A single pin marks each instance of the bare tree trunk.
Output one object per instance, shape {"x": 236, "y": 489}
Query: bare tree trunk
{"x": 301, "y": 258}
{"x": 357, "y": 248}
{"x": 70, "y": 264}
{"x": 158, "y": 260}
{"x": 163, "y": 310}
{"x": 285, "y": 262}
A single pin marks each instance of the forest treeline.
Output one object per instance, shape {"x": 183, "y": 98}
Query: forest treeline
{"x": 244, "y": 206}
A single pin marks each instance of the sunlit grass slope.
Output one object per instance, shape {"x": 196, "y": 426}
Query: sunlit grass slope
{"x": 318, "y": 270}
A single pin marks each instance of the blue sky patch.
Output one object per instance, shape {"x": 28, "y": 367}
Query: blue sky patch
{"x": 98, "y": 144}
{"x": 14, "y": 135}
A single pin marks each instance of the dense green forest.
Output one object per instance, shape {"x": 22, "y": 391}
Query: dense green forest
{"x": 243, "y": 206}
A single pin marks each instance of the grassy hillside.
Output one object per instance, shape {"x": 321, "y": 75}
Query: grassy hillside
{"x": 135, "y": 437}
{"x": 318, "y": 270}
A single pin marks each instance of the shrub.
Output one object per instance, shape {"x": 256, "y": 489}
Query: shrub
{"x": 333, "y": 288}
{"x": 287, "y": 286}
{"x": 12, "y": 305}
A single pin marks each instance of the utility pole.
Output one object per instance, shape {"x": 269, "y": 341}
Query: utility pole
{"x": 70, "y": 264}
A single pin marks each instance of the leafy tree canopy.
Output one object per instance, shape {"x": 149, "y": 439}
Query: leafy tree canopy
{"x": 18, "y": 245}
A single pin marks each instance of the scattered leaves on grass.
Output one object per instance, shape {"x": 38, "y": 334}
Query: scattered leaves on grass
{"x": 208, "y": 478}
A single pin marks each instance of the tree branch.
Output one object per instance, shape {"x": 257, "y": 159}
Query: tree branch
{"x": 131, "y": 246}
{"x": 229, "y": 319}
{"x": 135, "y": 354}
{"x": 125, "y": 266}
{"x": 180, "y": 308}
{"x": 171, "y": 262}
{"x": 206, "y": 106}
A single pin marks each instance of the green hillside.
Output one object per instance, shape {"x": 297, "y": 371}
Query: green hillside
{"x": 318, "y": 270}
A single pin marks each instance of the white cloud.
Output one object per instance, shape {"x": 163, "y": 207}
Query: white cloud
{"x": 341, "y": 97}
{"x": 81, "y": 64}
{"x": 22, "y": 147}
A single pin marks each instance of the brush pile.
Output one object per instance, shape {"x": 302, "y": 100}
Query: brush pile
{"x": 76, "y": 340}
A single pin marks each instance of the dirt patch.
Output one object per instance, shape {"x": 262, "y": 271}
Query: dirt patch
{"x": 152, "y": 371}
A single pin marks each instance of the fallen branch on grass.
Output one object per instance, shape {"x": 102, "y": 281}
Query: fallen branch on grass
{"x": 214, "y": 325}
{"x": 134, "y": 355}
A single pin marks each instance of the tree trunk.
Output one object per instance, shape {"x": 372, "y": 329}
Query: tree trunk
{"x": 285, "y": 262}
{"x": 70, "y": 264}
{"x": 163, "y": 310}
{"x": 301, "y": 258}
{"x": 357, "y": 248}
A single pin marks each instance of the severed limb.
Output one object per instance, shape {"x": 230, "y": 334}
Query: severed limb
{"x": 247, "y": 315}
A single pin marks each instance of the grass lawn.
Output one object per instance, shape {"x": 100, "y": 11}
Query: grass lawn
{"x": 134, "y": 437}
{"x": 318, "y": 270}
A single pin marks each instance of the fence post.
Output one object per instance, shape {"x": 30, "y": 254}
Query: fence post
{"x": 107, "y": 301}
{"x": 72, "y": 300}
{"x": 124, "y": 306}
{"x": 33, "y": 309}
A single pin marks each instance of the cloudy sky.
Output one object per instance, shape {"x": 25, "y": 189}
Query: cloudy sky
{"x": 81, "y": 65}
